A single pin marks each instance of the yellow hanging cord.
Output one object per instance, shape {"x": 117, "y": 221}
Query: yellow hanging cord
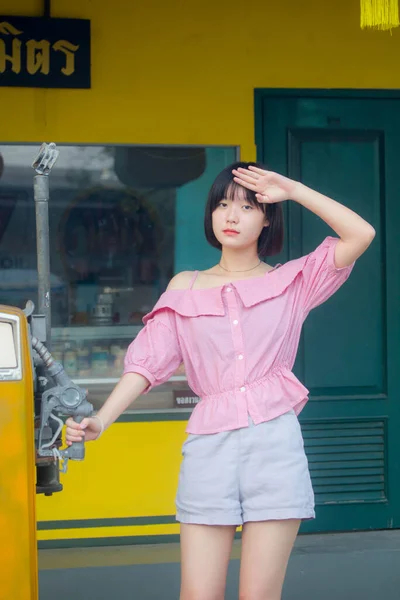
{"x": 379, "y": 14}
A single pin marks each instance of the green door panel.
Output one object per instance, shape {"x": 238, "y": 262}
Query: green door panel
{"x": 349, "y": 359}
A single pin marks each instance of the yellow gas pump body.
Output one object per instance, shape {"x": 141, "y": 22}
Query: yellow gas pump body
{"x": 18, "y": 548}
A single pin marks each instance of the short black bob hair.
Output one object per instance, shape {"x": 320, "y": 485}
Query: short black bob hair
{"x": 270, "y": 241}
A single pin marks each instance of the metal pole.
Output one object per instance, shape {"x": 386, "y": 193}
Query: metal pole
{"x": 43, "y": 164}
{"x": 41, "y": 195}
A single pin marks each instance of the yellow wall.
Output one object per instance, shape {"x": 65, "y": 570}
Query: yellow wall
{"x": 130, "y": 472}
{"x": 184, "y": 72}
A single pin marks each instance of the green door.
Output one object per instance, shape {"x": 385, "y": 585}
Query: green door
{"x": 347, "y": 146}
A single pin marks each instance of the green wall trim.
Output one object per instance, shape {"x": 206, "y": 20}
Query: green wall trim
{"x": 115, "y": 522}
{"x": 184, "y": 416}
{"x": 329, "y": 92}
{"x": 108, "y": 541}
{"x": 152, "y": 417}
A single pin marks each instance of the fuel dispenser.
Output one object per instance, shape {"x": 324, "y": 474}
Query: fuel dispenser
{"x": 36, "y": 396}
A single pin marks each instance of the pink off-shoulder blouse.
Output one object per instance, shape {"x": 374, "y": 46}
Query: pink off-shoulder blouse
{"x": 238, "y": 341}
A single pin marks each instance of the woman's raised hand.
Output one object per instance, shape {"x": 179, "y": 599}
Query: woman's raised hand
{"x": 268, "y": 186}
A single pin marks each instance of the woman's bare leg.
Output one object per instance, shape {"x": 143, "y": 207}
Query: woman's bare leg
{"x": 205, "y": 554}
{"x": 266, "y": 548}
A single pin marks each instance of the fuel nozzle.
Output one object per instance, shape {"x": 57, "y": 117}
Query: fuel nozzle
{"x": 65, "y": 399}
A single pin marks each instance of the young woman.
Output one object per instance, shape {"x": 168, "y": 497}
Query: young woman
{"x": 236, "y": 327}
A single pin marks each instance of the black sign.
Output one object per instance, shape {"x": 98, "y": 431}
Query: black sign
{"x": 185, "y": 399}
{"x": 44, "y": 52}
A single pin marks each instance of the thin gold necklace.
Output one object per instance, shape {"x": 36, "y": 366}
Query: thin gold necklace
{"x": 244, "y": 271}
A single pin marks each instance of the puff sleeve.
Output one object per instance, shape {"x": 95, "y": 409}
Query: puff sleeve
{"x": 155, "y": 352}
{"x": 321, "y": 278}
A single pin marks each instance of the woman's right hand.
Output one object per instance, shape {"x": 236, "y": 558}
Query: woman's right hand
{"x": 88, "y": 430}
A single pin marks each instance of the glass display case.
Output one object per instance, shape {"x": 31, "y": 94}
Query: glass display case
{"x": 123, "y": 221}
{"x": 94, "y": 357}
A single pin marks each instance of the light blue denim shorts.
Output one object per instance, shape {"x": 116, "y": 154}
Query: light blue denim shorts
{"x": 256, "y": 473}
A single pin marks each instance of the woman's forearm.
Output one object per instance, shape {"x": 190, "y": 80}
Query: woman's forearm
{"x": 355, "y": 233}
{"x": 127, "y": 390}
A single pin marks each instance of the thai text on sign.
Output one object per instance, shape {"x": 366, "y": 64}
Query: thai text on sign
{"x": 44, "y": 52}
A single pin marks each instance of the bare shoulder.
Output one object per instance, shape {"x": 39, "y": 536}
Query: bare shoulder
{"x": 181, "y": 281}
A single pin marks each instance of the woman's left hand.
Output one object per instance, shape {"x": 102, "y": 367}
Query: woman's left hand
{"x": 268, "y": 186}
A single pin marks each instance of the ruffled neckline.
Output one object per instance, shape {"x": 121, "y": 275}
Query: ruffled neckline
{"x": 209, "y": 301}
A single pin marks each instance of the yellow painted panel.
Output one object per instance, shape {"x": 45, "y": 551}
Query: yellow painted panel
{"x": 18, "y": 558}
{"x": 104, "y": 532}
{"x": 131, "y": 471}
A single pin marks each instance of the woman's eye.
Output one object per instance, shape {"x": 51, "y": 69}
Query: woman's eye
{"x": 248, "y": 206}
{"x": 222, "y": 204}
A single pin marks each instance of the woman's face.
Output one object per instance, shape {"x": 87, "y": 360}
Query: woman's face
{"x": 236, "y": 222}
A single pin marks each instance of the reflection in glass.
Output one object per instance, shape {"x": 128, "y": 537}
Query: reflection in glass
{"x": 123, "y": 221}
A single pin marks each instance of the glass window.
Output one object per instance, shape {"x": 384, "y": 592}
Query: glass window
{"x": 123, "y": 221}
{"x": 8, "y": 353}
